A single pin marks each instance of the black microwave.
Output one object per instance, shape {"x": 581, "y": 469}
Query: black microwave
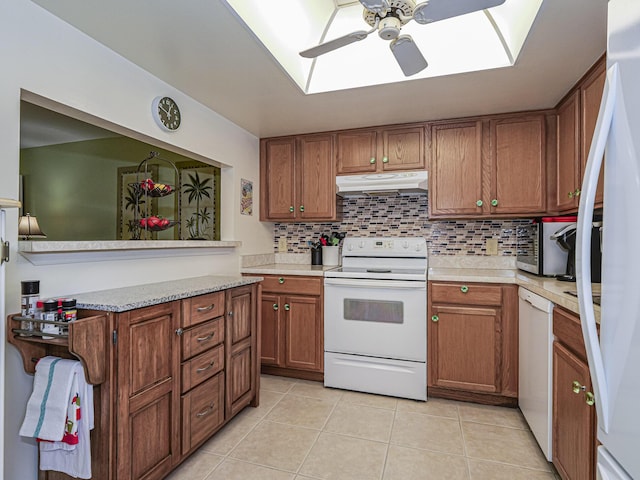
{"x": 537, "y": 252}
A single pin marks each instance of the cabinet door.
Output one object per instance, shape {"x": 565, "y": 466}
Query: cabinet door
{"x": 277, "y": 170}
{"x": 590, "y": 96}
{"x": 574, "y": 421}
{"x": 465, "y": 348}
{"x": 403, "y": 149}
{"x": 568, "y": 154}
{"x": 241, "y": 348}
{"x": 303, "y": 333}
{"x": 455, "y": 180}
{"x": 270, "y": 330}
{"x": 315, "y": 170}
{"x": 357, "y": 152}
{"x": 518, "y": 165}
{"x": 148, "y": 405}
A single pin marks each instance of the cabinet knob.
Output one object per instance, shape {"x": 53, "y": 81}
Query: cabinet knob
{"x": 179, "y": 332}
{"x": 570, "y": 194}
{"x": 464, "y": 289}
{"x": 494, "y": 202}
{"x": 589, "y": 399}
{"x": 291, "y": 209}
{"x": 373, "y": 160}
{"x": 275, "y": 306}
{"x": 435, "y": 318}
{"x": 230, "y": 313}
{"x": 479, "y": 203}
{"x": 281, "y": 280}
{"x": 577, "y": 387}
{"x": 577, "y": 192}
{"x": 385, "y": 160}
{"x": 302, "y": 208}
{"x": 287, "y": 307}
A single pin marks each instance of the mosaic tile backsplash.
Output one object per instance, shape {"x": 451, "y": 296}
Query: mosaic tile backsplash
{"x": 404, "y": 215}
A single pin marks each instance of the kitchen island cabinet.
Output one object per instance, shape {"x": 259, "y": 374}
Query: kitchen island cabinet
{"x": 472, "y": 342}
{"x": 292, "y": 334}
{"x": 297, "y": 178}
{"x": 574, "y": 415}
{"x": 488, "y": 167}
{"x": 576, "y": 121}
{"x": 379, "y": 150}
{"x": 170, "y": 368}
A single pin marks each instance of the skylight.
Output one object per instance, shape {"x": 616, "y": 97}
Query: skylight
{"x": 477, "y": 41}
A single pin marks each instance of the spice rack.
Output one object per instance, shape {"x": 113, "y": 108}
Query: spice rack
{"x": 142, "y": 225}
{"x": 87, "y": 341}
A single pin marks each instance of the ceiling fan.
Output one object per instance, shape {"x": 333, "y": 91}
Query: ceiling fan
{"x": 388, "y": 17}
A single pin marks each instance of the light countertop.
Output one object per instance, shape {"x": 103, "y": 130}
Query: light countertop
{"x": 288, "y": 269}
{"x": 137, "y": 296}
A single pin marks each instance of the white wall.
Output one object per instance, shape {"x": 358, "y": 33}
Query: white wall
{"x": 47, "y": 57}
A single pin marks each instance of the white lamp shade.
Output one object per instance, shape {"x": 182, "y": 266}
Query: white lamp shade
{"x": 28, "y": 228}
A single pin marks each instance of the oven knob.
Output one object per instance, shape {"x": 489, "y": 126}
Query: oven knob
{"x": 361, "y": 244}
{"x": 418, "y": 247}
{"x": 350, "y": 247}
{"x": 405, "y": 244}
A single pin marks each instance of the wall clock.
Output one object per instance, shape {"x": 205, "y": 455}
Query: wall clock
{"x": 166, "y": 113}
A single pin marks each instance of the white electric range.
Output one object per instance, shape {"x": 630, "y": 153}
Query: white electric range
{"x": 375, "y": 312}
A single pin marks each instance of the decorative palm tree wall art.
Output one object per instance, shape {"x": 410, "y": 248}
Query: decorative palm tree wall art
{"x": 199, "y": 201}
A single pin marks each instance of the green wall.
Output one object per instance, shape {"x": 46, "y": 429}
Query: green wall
{"x": 72, "y": 188}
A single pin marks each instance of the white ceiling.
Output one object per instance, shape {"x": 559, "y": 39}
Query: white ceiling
{"x": 201, "y": 48}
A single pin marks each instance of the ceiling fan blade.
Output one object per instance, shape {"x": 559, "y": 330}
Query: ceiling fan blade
{"x": 334, "y": 44}
{"x": 376, "y": 6}
{"x": 436, "y": 10}
{"x": 408, "y": 55}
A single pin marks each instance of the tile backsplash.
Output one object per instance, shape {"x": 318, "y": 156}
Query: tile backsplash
{"x": 404, "y": 215}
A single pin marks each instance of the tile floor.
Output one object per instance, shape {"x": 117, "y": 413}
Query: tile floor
{"x": 305, "y": 431}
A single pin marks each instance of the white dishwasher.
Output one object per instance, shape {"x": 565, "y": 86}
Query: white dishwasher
{"x": 535, "y": 365}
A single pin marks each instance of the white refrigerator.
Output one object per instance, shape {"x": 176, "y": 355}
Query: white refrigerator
{"x": 614, "y": 358}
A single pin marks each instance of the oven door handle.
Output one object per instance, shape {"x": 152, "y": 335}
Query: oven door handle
{"x": 360, "y": 282}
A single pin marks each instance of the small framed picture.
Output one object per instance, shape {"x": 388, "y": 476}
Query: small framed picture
{"x": 246, "y": 197}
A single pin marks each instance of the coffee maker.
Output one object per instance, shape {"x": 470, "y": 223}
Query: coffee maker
{"x": 566, "y": 238}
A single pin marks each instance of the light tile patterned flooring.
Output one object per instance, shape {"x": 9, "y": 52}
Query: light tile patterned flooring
{"x": 305, "y": 431}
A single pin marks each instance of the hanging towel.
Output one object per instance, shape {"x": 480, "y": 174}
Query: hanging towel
{"x": 60, "y": 415}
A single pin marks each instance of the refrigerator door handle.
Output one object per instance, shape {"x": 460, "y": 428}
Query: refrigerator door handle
{"x": 583, "y": 245}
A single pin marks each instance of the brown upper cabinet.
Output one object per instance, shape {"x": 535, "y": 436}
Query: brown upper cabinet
{"x": 377, "y": 150}
{"x": 576, "y": 121}
{"x": 490, "y": 166}
{"x": 297, "y": 177}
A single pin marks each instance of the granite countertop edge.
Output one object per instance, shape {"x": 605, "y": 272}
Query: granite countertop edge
{"x": 137, "y": 296}
{"x": 288, "y": 269}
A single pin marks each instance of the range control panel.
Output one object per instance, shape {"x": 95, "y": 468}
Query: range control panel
{"x": 385, "y": 246}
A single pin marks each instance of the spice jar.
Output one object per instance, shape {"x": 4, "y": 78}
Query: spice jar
{"x": 50, "y": 314}
{"x": 28, "y": 303}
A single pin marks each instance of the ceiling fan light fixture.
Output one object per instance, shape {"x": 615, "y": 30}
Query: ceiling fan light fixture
{"x": 421, "y": 13}
{"x": 389, "y": 28}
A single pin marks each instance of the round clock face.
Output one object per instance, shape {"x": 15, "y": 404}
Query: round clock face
{"x": 166, "y": 113}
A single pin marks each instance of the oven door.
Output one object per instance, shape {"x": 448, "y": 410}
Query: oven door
{"x": 378, "y": 318}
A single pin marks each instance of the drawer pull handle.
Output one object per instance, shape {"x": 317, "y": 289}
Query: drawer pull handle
{"x": 577, "y": 387}
{"x": 206, "y": 411}
{"x": 435, "y": 318}
{"x": 589, "y": 398}
{"x": 204, "y": 369}
{"x": 464, "y": 289}
{"x": 206, "y": 309}
{"x": 280, "y": 280}
{"x": 208, "y": 337}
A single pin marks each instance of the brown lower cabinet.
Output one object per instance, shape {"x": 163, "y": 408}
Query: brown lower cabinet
{"x": 292, "y": 326}
{"x": 166, "y": 377}
{"x": 472, "y": 342}
{"x": 574, "y": 415}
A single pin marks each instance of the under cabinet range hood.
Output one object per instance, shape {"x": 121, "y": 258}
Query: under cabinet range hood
{"x": 382, "y": 184}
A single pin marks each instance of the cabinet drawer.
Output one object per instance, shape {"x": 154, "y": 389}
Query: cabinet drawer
{"x": 198, "y": 339}
{"x": 202, "y": 367}
{"x": 292, "y": 284}
{"x": 201, "y": 308}
{"x": 568, "y": 331}
{"x": 466, "y": 293}
{"x": 202, "y": 412}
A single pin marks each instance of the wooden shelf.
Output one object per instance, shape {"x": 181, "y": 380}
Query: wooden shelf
{"x": 87, "y": 342}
